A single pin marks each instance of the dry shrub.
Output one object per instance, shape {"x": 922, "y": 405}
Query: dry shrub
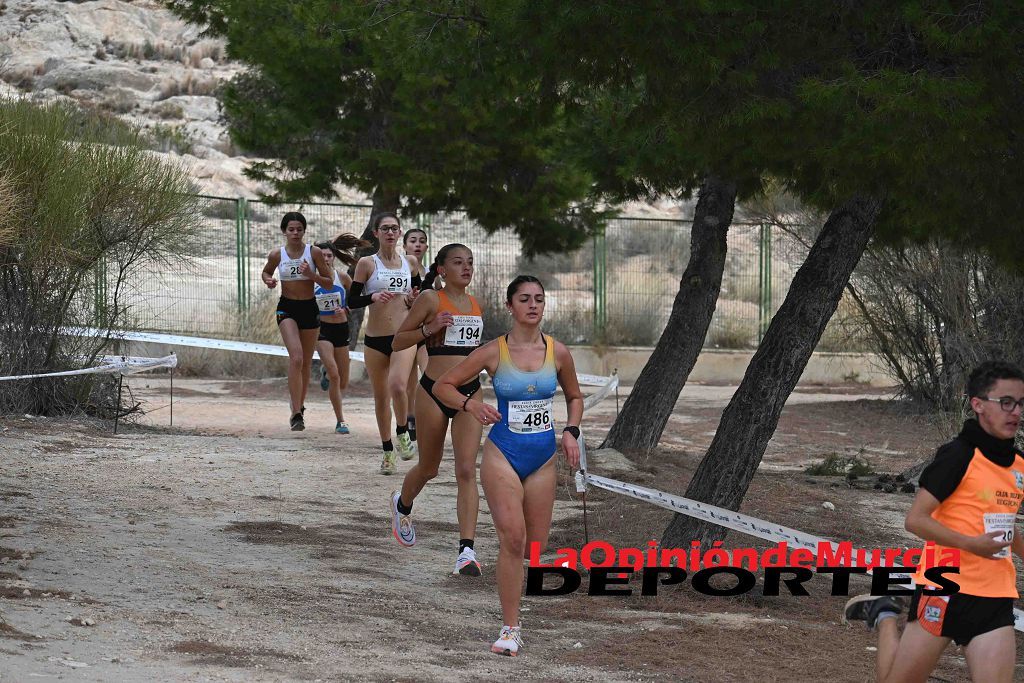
{"x": 936, "y": 311}
{"x": 731, "y": 333}
{"x": 168, "y": 110}
{"x": 88, "y": 217}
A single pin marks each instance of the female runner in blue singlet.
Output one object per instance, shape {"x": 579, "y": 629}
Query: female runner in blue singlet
{"x": 332, "y": 345}
{"x": 518, "y": 466}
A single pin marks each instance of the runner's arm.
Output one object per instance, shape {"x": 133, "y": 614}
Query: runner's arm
{"x": 415, "y": 328}
{"x": 323, "y": 277}
{"x": 921, "y": 523}
{"x": 446, "y": 388}
{"x": 356, "y": 298}
{"x": 273, "y": 261}
{"x": 573, "y": 401}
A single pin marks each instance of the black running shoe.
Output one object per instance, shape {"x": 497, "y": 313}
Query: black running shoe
{"x": 866, "y": 608}
{"x": 297, "y": 423}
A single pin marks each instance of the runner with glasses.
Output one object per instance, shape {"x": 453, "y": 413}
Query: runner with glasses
{"x": 968, "y": 500}
{"x": 390, "y": 281}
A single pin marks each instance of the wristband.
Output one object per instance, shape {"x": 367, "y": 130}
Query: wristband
{"x": 574, "y": 430}
{"x": 465, "y": 402}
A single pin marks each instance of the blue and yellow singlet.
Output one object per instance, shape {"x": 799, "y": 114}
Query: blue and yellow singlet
{"x": 526, "y": 434}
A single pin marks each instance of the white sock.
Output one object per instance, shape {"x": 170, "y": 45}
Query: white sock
{"x": 884, "y": 614}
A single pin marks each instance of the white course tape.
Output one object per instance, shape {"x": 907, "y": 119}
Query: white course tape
{"x": 729, "y": 519}
{"x": 125, "y": 365}
{"x": 607, "y": 387}
{"x": 608, "y": 383}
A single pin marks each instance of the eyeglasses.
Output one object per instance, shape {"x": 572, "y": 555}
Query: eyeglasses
{"x": 1007, "y": 403}
{"x": 389, "y": 228}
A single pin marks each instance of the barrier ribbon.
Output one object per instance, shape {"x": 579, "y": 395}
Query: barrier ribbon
{"x": 125, "y": 365}
{"x": 730, "y": 519}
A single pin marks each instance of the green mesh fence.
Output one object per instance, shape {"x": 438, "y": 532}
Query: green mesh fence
{"x": 617, "y": 289}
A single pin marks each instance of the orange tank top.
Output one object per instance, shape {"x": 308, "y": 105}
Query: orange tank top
{"x": 987, "y": 499}
{"x": 462, "y": 337}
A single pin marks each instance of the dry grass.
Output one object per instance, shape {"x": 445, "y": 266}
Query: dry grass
{"x": 258, "y": 324}
{"x": 189, "y": 84}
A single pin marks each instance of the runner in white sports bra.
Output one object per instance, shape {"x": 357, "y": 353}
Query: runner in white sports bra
{"x": 387, "y": 282}
{"x": 298, "y": 318}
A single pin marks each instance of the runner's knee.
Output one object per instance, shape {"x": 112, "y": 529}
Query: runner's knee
{"x": 513, "y": 540}
{"x": 396, "y": 387}
{"x": 465, "y": 471}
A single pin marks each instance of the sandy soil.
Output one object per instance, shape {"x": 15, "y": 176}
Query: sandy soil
{"x": 228, "y": 548}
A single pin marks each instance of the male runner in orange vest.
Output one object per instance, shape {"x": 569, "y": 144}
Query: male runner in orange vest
{"x": 968, "y": 499}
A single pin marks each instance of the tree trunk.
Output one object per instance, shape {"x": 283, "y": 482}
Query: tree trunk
{"x": 383, "y": 200}
{"x": 643, "y": 418}
{"x": 750, "y": 419}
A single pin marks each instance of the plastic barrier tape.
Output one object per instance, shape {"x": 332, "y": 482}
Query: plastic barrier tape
{"x": 125, "y": 365}
{"x": 265, "y": 349}
{"x": 729, "y": 519}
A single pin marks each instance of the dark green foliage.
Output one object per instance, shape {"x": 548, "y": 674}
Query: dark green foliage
{"x": 915, "y": 101}
{"x": 400, "y": 103}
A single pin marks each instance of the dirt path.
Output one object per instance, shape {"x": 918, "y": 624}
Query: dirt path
{"x": 230, "y": 548}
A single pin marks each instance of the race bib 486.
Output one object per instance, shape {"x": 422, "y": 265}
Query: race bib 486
{"x": 530, "y": 417}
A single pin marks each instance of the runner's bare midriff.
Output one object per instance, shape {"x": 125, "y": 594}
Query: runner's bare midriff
{"x": 298, "y": 289}
{"x": 385, "y": 317}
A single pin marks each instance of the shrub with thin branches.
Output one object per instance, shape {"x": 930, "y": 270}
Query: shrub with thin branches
{"x": 92, "y": 208}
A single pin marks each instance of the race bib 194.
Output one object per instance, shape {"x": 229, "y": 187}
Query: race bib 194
{"x": 530, "y": 417}
{"x": 465, "y": 331}
{"x": 1003, "y": 523}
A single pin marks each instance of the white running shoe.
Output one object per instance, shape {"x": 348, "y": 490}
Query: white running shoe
{"x": 404, "y": 446}
{"x": 467, "y": 564}
{"x": 387, "y": 464}
{"x": 509, "y": 641}
{"x": 401, "y": 525}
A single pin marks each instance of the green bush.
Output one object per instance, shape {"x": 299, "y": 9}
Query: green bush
{"x": 89, "y": 209}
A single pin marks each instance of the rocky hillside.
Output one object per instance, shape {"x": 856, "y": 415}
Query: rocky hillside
{"x": 138, "y": 61}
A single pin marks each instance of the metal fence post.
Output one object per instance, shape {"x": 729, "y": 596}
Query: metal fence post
{"x": 600, "y": 284}
{"x": 764, "y": 271}
{"x": 243, "y": 254}
{"x": 100, "y": 293}
{"x": 239, "y": 232}
{"x": 423, "y": 223}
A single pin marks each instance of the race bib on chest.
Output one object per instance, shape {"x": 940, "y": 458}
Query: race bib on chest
{"x": 394, "y": 280}
{"x": 465, "y": 331}
{"x": 328, "y": 302}
{"x": 1003, "y": 523}
{"x": 289, "y": 270}
{"x": 530, "y": 417}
